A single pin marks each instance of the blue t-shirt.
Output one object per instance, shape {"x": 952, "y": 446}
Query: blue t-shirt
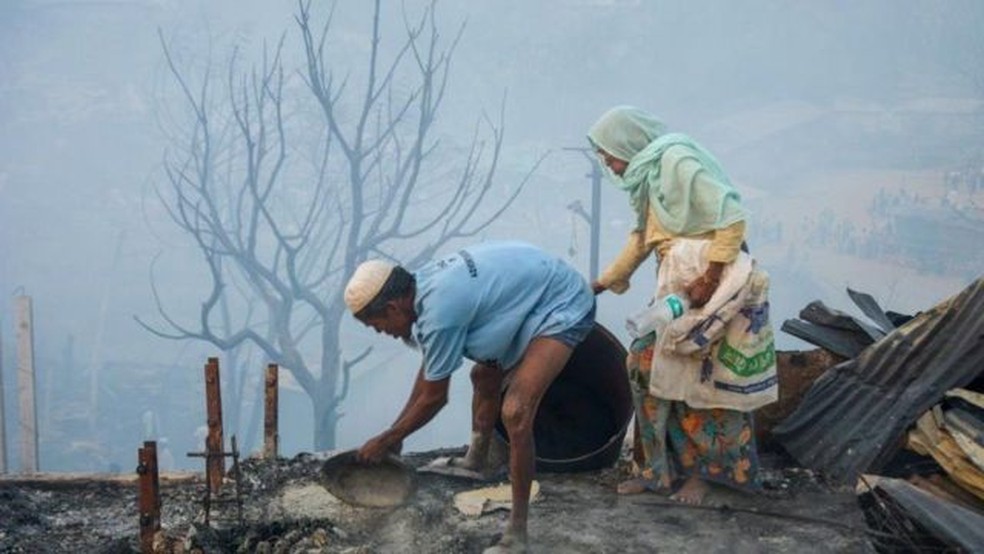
{"x": 487, "y": 302}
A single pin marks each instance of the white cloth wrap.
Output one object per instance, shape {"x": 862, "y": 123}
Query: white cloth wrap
{"x": 721, "y": 355}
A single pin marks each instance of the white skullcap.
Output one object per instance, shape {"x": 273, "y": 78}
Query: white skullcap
{"x": 366, "y": 283}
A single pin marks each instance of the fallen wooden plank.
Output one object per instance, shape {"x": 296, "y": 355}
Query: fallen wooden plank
{"x": 68, "y": 480}
{"x": 951, "y": 458}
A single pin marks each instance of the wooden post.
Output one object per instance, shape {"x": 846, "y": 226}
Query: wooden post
{"x": 149, "y": 497}
{"x": 3, "y": 423}
{"x": 271, "y": 439}
{"x": 214, "y": 443}
{"x": 25, "y": 385}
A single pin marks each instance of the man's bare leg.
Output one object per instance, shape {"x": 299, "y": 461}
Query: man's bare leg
{"x": 544, "y": 360}
{"x": 487, "y": 386}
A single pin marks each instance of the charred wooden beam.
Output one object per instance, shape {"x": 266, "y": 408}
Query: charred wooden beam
{"x": 271, "y": 438}
{"x": 212, "y": 497}
{"x": 215, "y": 460}
{"x": 149, "y": 496}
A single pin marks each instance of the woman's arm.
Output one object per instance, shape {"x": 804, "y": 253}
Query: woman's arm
{"x": 723, "y": 250}
{"x": 616, "y": 276}
{"x": 726, "y": 243}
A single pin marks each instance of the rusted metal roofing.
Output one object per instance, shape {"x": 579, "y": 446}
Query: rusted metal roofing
{"x": 854, "y": 417}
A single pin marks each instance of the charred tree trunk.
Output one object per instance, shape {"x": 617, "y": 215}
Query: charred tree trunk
{"x": 371, "y": 185}
{"x": 325, "y": 424}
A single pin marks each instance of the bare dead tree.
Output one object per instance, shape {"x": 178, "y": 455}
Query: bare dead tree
{"x": 282, "y": 233}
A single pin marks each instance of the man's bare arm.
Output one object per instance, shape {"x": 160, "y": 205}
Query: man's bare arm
{"x": 426, "y": 400}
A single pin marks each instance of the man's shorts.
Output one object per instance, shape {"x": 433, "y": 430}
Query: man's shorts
{"x": 575, "y": 334}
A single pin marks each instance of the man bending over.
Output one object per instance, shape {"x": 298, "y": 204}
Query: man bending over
{"x": 515, "y": 310}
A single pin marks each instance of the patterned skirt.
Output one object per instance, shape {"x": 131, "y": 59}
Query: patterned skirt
{"x": 678, "y": 441}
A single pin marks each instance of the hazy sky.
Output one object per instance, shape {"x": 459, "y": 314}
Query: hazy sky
{"x": 809, "y": 105}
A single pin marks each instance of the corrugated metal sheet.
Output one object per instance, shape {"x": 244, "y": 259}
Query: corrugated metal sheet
{"x": 839, "y": 332}
{"x": 871, "y": 309}
{"x": 955, "y": 525}
{"x": 854, "y": 417}
{"x": 847, "y": 344}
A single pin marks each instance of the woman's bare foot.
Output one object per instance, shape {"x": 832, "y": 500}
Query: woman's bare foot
{"x": 692, "y": 492}
{"x": 636, "y": 485}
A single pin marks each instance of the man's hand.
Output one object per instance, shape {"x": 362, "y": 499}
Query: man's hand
{"x": 376, "y": 448}
{"x": 702, "y": 289}
{"x": 426, "y": 399}
{"x": 598, "y": 288}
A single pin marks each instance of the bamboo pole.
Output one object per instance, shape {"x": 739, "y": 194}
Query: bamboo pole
{"x": 25, "y": 385}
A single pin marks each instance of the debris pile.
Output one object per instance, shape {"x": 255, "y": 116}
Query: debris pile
{"x": 907, "y": 518}
{"x": 952, "y": 433}
{"x": 288, "y": 509}
{"x": 905, "y": 402}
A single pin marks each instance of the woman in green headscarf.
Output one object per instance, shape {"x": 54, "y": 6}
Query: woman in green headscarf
{"x": 677, "y": 190}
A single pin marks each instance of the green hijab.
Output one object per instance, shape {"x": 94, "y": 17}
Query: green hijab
{"x": 688, "y": 198}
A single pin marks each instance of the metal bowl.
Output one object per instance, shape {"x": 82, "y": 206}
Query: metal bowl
{"x": 386, "y": 484}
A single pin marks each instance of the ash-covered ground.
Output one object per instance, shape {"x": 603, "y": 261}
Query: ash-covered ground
{"x": 286, "y": 509}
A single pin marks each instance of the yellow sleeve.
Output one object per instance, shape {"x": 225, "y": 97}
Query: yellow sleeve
{"x": 726, "y": 243}
{"x": 616, "y": 276}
